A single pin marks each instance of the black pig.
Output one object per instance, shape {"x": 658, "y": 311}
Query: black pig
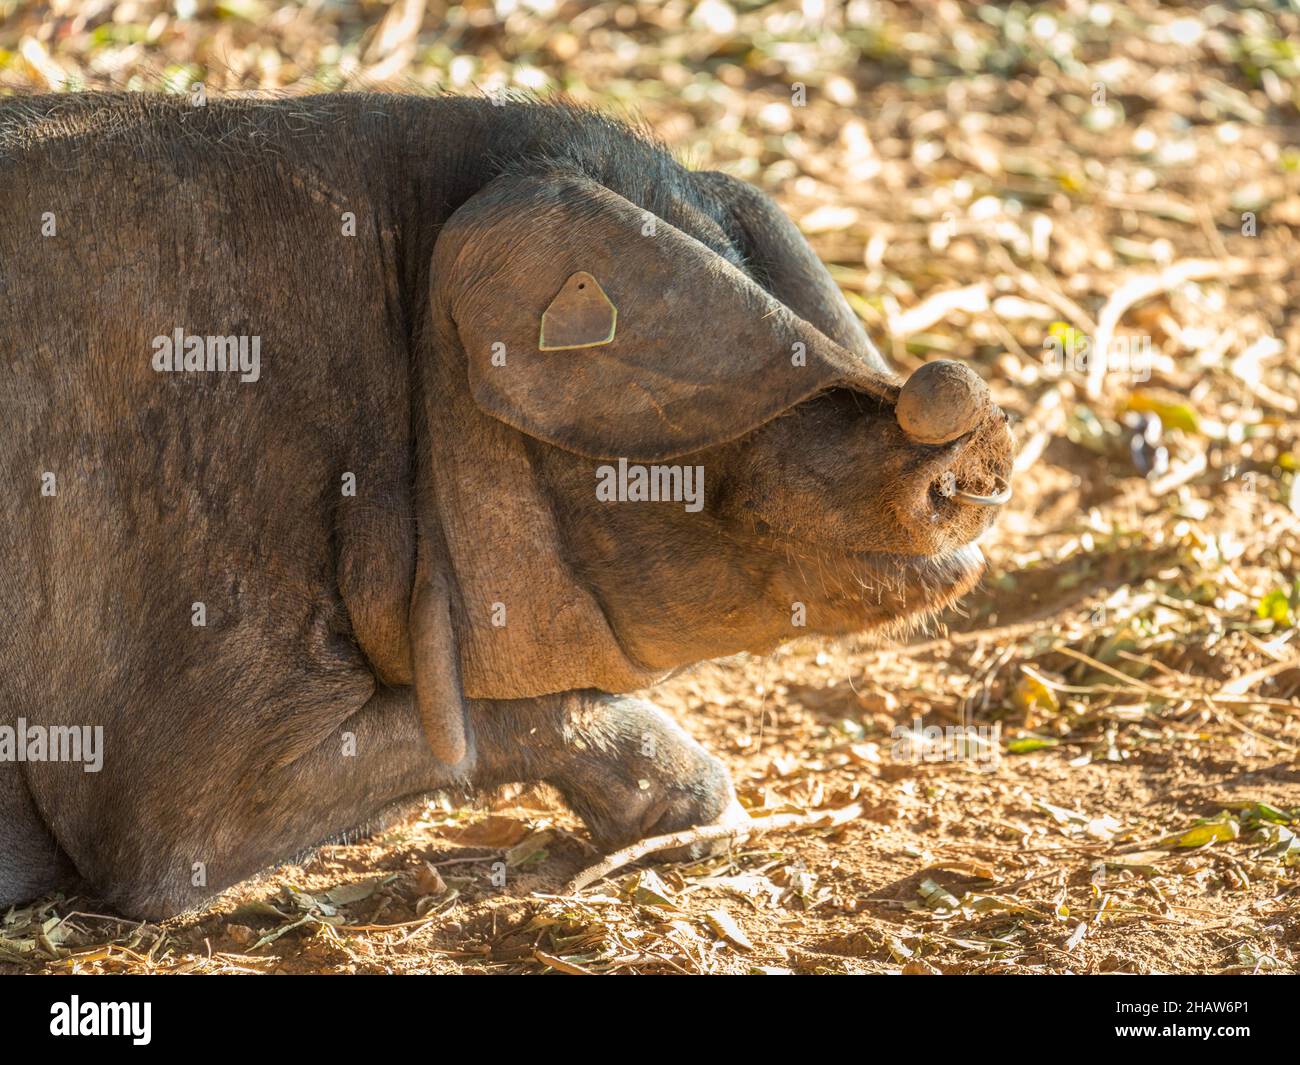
{"x": 359, "y": 446}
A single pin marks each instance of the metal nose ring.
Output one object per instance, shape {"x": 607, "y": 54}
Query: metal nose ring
{"x": 1001, "y": 493}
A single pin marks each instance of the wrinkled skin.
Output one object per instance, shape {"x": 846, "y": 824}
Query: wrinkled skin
{"x": 291, "y": 716}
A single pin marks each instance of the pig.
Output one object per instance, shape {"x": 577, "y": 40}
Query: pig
{"x": 359, "y": 447}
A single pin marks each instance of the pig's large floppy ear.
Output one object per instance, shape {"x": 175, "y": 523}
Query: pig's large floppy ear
{"x": 595, "y": 326}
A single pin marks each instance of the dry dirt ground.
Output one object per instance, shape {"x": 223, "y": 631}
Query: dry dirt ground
{"x": 989, "y": 183}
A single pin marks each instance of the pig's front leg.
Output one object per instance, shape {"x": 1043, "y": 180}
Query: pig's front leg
{"x": 622, "y": 764}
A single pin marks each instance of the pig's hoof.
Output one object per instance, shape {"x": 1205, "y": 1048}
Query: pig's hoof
{"x": 625, "y": 800}
{"x": 734, "y": 816}
{"x": 661, "y": 805}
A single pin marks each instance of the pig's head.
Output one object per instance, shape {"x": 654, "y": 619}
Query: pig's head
{"x": 874, "y": 506}
{"x": 624, "y": 352}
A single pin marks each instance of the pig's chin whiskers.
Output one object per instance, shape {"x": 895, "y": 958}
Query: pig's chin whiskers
{"x": 830, "y": 585}
{"x": 794, "y": 560}
{"x": 821, "y": 574}
{"x": 884, "y": 593}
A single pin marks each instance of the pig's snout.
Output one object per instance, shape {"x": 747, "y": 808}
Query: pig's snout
{"x": 942, "y": 402}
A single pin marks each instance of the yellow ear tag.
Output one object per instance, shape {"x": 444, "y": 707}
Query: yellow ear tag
{"x": 580, "y": 316}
